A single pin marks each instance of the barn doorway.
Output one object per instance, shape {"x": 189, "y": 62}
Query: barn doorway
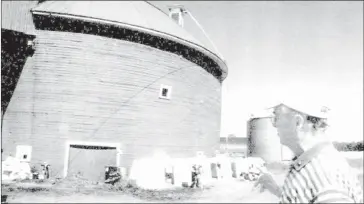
{"x": 88, "y": 161}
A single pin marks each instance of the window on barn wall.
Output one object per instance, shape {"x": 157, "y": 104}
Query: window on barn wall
{"x": 24, "y": 152}
{"x": 165, "y": 92}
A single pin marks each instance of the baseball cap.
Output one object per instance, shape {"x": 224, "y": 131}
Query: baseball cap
{"x": 315, "y": 109}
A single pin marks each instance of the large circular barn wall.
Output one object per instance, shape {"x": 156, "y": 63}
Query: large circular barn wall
{"x": 91, "y": 88}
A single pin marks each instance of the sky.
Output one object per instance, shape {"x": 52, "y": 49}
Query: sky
{"x": 279, "y": 50}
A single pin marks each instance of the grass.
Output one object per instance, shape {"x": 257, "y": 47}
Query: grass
{"x": 26, "y": 186}
{"x": 71, "y": 186}
{"x": 164, "y": 195}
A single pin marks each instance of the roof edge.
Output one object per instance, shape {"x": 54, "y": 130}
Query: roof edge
{"x": 222, "y": 64}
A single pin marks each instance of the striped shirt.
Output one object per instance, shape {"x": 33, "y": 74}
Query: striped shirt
{"x": 321, "y": 175}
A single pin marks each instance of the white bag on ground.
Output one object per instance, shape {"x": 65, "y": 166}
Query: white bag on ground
{"x": 14, "y": 169}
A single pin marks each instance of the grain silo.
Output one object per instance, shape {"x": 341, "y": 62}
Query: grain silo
{"x": 263, "y": 140}
{"x": 109, "y": 82}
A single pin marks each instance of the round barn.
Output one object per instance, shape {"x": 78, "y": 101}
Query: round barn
{"x": 104, "y": 83}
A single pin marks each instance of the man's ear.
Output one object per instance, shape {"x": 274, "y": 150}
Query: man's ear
{"x": 300, "y": 121}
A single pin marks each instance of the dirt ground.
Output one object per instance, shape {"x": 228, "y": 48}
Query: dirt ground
{"x": 225, "y": 191}
{"x": 231, "y": 190}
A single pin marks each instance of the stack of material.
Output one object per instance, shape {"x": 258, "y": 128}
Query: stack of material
{"x": 182, "y": 172}
{"x": 241, "y": 165}
{"x": 150, "y": 173}
{"x": 112, "y": 175}
{"x": 224, "y": 166}
{"x": 207, "y": 171}
{"x": 169, "y": 174}
{"x": 14, "y": 169}
{"x": 249, "y": 168}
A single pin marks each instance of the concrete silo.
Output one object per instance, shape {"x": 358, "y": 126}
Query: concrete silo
{"x": 110, "y": 84}
{"x": 263, "y": 140}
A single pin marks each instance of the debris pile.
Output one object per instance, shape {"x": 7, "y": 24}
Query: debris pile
{"x": 250, "y": 168}
{"x": 112, "y": 175}
{"x": 13, "y": 169}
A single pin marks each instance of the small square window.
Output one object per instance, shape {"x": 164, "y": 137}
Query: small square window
{"x": 165, "y": 92}
{"x": 24, "y": 152}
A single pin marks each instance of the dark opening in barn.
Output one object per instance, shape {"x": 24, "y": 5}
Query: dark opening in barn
{"x": 89, "y": 162}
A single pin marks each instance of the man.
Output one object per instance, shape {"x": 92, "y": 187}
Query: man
{"x": 318, "y": 173}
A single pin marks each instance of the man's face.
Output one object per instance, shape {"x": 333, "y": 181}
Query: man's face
{"x": 284, "y": 120}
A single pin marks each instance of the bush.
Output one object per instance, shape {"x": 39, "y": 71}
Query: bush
{"x": 351, "y": 146}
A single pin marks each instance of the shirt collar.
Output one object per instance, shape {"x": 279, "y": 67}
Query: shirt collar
{"x": 307, "y": 156}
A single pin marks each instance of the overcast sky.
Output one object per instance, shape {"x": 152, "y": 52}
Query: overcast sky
{"x": 275, "y": 50}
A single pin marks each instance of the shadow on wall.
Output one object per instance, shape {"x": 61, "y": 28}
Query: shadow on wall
{"x": 16, "y": 47}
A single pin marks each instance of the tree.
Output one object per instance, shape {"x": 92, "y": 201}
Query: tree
{"x": 349, "y": 146}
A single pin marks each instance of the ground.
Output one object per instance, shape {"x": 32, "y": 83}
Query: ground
{"x": 233, "y": 190}
{"x": 221, "y": 191}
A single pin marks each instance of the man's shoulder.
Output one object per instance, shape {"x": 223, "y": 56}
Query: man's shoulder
{"x": 321, "y": 170}
{"x": 324, "y": 155}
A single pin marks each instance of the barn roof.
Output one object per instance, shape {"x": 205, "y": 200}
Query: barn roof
{"x": 136, "y": 15}
{"x": 15, "y": 15}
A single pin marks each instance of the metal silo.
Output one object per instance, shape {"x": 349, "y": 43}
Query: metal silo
{"x": 263, "y": 140}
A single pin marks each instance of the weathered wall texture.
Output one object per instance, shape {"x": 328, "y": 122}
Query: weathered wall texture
{"x": 90, "y": 88}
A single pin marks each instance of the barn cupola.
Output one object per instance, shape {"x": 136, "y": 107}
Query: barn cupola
{"x": 177, "y": 12}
